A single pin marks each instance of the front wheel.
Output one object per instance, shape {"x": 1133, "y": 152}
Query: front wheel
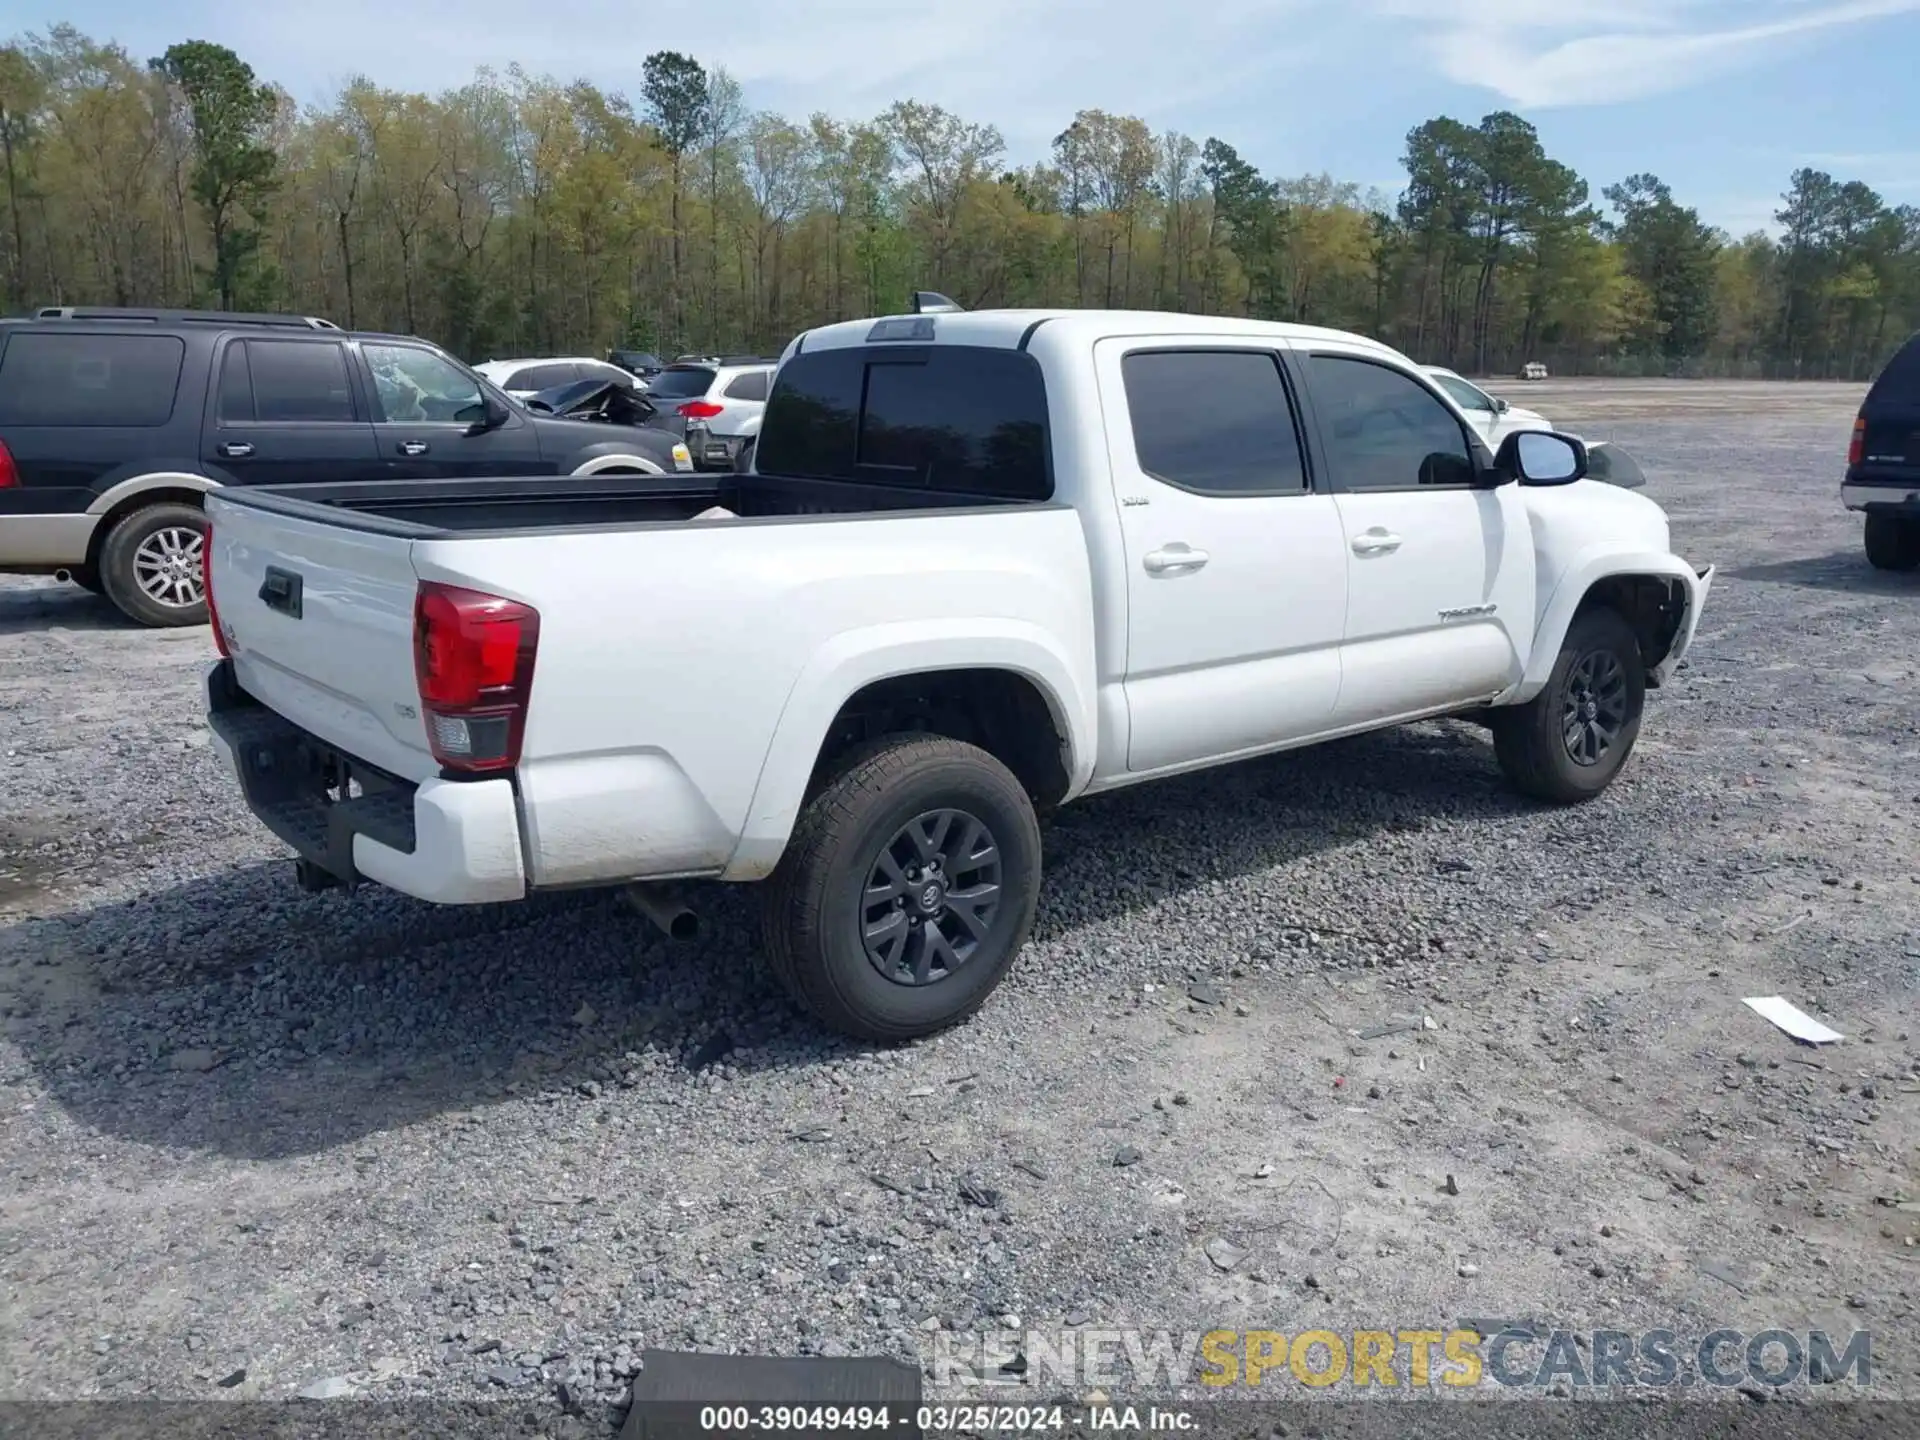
{"x": 907, "y": 889}
{"x": 1567, "y": 743}
{"x": 1893, "y": 543}
{"x": 150, "y": 565}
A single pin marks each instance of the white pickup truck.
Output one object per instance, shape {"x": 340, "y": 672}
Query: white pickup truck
{"x": 986, "y": 563}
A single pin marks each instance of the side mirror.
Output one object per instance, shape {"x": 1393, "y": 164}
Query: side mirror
{"x": 493, "y": 415}
{"x": 1541, "y": 457}
{"x": 1500, "y": 407}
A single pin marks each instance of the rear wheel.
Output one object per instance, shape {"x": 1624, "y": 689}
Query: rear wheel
{"x": 1568, "y": 742}
{"x": 907, "y": 889}
{"x": 1892, "y": 543}
{"x": 150, "y": 565}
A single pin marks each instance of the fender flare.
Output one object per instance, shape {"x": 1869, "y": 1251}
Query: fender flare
{"x": 117, "y": 494}
{"x": 1589, "y": 568}
{"x": 852, "y": 660}
{"x": 600, "y": 464}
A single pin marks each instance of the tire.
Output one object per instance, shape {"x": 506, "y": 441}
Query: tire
{"x": 814, "y": 913}
{"x": 152, "y": 554}
{"x": 87, "y": 578}
{"x": 1598, "y": 677}
{"x": 1892, "y": 543}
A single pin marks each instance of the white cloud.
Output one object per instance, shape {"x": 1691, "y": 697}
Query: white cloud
{"x": 1540, "y": 54}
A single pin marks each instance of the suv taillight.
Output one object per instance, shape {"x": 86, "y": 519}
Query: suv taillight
{"x": 9, "y": 472}
{"x": 206, "y": 589}
{"x": 700, "y": 410}
{"x": 473, "y": 656}
{"x": 1857, "y": 448}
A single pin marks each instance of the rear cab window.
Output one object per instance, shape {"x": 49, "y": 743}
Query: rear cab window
{"x": 959, "y": 419}
{"x": 123, "y": 381}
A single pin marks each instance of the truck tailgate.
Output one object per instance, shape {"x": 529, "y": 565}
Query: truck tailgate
{"x": 319, "y": 621}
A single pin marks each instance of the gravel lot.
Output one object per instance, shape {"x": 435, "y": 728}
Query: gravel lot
{"x": 429, "y": 1152}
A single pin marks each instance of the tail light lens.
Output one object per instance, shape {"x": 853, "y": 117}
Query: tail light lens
{"x": 473, "y": 656}
{"x": 700, "y": 409}
{"x": 206, "y": 589}
{"x": 1857, "y": 448}
{"x": 9, "y": 472}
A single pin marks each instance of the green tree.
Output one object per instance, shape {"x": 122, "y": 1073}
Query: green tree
{"x": 1675, "y": 258}
{"x": 675, "y": 89}
{"x": 234, "y": 167}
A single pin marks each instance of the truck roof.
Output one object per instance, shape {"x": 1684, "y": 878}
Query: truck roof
{"x": 1009, "y": 328}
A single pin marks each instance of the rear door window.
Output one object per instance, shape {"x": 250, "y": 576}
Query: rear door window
{"x": 1217, "y": 422}
{"x": 89, "y": 380}
{"x": 299, "y": 381}
{"x": 964, "y": 419}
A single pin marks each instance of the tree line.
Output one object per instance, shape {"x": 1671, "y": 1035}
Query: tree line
{"x": 519, "y": 215}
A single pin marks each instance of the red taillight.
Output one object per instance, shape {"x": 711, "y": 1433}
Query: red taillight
{"x": 206, "y": 589}
{"x": 1858, "y": 447}
{"x": 700, "y": 409}
{"x": 473, "y": 656}
{"x": 9, "y": 472}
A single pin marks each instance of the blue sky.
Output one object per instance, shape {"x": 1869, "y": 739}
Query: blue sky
{"x": 1721, "y": 98}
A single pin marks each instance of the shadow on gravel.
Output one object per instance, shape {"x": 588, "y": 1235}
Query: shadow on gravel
{"x": 1845, "y": 570}
{"x": 237, "y": 1015}
{"x": 51, "y": 607}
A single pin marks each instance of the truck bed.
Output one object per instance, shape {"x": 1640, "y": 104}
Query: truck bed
{"x": 511, "y": 505}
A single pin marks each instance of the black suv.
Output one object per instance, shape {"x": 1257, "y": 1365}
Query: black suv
{"x": 113, "y": 424}
{"x": 1883, "y": 463}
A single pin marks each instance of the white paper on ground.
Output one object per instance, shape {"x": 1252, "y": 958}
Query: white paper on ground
{"x": 1795, "y": 1022}
{"x": 716, "y": 512}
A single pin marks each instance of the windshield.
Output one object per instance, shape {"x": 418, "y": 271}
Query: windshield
{"x": 1466, "y": 396}
{"x": 681, "y": 382}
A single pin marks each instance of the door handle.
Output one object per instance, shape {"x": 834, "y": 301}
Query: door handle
{"x": 413, "y": 447}
{"x": 1375, "y": 542}
{"x": 1176, "y": 557}
{"x": 236, "y": 450}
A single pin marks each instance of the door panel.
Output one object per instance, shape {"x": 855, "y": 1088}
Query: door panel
{"x": 284, "y": 413}
{"x": 1440, "y": 588}
{"x": 424, "y": 407}
{"x": 1236, "y": 598}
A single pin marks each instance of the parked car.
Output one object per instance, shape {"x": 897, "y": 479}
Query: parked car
{"x": 521, "y": 378}
{"x": 1883, "y": 463}
{"x": 1533, "y": 370}
{"x": 115, "y": 423}
{"x": 642, "y": 363}
{"x": 988, "y": 562}
{"x": 715, "y": 404}
{"x": 1494, "y": 418}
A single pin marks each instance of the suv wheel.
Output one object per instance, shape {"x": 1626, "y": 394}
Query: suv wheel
{"x": 1893, "y": 543}
{"x": 906, "y": 890}
{"x": 150, "y": 565}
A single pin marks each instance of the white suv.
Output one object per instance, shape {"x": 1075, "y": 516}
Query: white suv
{"x": 715, "y": 404}
{"x": 521, "y": 378}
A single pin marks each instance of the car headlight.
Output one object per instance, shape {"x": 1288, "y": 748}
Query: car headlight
{"x": 682, "y": 458}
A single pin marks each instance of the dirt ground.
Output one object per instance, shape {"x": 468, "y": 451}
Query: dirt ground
{"x": 300, "y": 1139}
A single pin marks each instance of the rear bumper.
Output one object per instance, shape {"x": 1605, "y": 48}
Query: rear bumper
{"x": 32, "y": 544}
{"x": 445, "y": 841}
{"x": 711, "y": 451}
{"x": 1901, "y": 497}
